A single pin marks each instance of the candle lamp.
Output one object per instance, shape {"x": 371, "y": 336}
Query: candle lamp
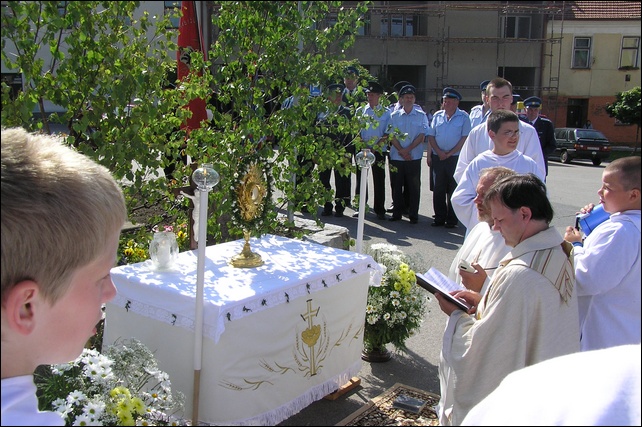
{"x": 364, "y": 159}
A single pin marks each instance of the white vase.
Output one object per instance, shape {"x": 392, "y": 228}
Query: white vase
{"x": 163, "y": 250}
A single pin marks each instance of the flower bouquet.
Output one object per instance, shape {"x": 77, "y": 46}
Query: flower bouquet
{"x": 121, "y": 387}
{"x": 396, "y": 308}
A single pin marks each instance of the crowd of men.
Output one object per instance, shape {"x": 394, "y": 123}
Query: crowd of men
{"x": 401, "y": 133}
{"x": 535, "y": 295}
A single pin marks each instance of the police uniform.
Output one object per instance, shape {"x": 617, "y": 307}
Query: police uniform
{"x": 545, "y": 130}
{"x": 376, "y": 120}
{"x": 477, "y": 114}
{"x": 355, "y": 96}
{"x": 406, "y": 129}
{"x": 343, "y": 183}
{"x": 448, "y": 135}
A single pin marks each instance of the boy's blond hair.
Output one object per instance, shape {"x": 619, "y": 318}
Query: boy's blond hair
{"x": 59, "y": 207}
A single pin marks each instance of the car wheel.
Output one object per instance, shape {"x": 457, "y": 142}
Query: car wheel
{"x": 597, "y": 162}
{"x": 564, "y": 157}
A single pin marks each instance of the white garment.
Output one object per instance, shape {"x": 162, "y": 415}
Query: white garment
{"x": 487, "y": 247}
{"x": 20, "y": 405}
{"x": 607, "y": 270}
{"x": 528, "y": 315}
{"x": 484, "y": 246}
{"x": 466, "y": 190}
{"x": 590, "y": 388}
{"x": 479, "y": 141}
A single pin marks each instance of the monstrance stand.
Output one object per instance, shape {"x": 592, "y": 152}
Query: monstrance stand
{"x": 251, "y": 198}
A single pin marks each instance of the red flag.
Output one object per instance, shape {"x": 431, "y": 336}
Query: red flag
{"x": 189, "y": 39}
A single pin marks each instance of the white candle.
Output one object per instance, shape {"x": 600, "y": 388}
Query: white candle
{"x": 164, "y": 256}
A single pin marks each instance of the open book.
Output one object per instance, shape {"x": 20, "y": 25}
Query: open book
{"x": 434, "y": 281}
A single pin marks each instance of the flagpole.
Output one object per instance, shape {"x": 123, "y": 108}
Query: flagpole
{"x": 205, "y": 179}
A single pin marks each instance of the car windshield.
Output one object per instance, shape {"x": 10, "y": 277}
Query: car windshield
{"x": 589, "y": 134}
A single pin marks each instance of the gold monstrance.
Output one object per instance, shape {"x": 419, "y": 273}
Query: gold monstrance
{"x": 251, "y": 197}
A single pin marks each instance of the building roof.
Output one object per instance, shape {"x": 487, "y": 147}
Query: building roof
{"x": 602, "y": 10}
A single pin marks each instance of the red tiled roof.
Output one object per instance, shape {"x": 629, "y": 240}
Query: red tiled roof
{"x": 602, "y": 10}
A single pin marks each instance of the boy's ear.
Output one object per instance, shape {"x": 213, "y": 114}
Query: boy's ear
{"x": 19, "y": 307}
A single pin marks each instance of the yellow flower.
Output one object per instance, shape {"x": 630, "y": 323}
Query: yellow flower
{"x": 138, "y": 405}
{"x": 118, "y": 391}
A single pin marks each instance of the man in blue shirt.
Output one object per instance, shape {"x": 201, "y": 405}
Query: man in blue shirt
{"x": 479, "y": 113}
{"x": 449, "y": 130}
{"x": 375, "y": 118}
{"x": 408, "y": 130}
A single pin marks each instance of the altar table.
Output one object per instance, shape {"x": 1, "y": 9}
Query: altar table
{"x": 276, "y": 338}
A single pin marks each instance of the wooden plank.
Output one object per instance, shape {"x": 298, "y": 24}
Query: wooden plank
{"x": 354, "y": 382}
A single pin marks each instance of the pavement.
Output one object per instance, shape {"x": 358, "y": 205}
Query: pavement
{"x": 570, "y": 187}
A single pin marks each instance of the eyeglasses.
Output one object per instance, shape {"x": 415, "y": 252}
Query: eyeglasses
{"x": 510, "y": 133}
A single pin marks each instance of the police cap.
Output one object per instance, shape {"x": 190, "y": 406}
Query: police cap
{"x": 449, "y": 92}
{"x": 533, "y": 102}
{"x": 335, "y": 87}
{"x": 374, "y": 87}
{"x": 351, "y": 70}
{"x": 407, "y": 89}
{"x": 397, "y": 87}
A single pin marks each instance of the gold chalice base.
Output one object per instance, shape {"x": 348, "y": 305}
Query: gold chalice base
{"x": 247, "y": 258}
{"x": 243, "y": 260}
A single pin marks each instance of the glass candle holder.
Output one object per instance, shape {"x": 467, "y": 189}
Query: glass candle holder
{"x": 163, "y": 250}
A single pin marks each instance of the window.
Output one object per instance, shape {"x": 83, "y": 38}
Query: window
{"x": 14, "y": 81}
{"x": 581, "y": 52}
{"x": 364, "y": 30}
{"x": 173, "y": 9}
{"x": 516, "y": 27}
{"x": 630, "y": 51}
{"x": 399, "y": 26}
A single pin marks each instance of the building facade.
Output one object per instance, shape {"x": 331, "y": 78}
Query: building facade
{"x": 575, "y": 55}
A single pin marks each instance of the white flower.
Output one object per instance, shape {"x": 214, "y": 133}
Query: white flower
{"x": 76, "y": 397}
{"x": 85, "y": 420}
{"x": 126, "y": 376}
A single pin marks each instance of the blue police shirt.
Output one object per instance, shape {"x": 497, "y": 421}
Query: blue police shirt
{"x": 375, "y": 128}
{"x": 406, "y": 127}
{"x": 449, "y": 132}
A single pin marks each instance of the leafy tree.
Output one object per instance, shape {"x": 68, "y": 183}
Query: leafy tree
{"x": 104, "y": 59}
{"x": 264, "y": 52}
{"x": 626, "y": 109}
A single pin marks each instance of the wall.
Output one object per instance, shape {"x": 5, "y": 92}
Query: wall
{"x": 599, "y": 84}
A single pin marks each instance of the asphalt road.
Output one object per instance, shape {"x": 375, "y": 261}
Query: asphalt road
{"x": 570, "y": 186}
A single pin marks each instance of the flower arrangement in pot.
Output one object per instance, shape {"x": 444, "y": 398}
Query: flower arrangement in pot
{"x": 395, "y": 308}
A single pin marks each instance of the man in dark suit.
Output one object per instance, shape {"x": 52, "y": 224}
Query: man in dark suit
{"x": 544, "y": 127}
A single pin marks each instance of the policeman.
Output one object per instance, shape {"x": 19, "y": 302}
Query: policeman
{"x": 342, "y": 142}
{"x": 353, "y": 94}
{"x": 408, "y": 129}
{"x": 449, "y": 130}
{"x": 375, "y": 118}
{"x": 544, "y": 127}
{"x": 479, "y": 113}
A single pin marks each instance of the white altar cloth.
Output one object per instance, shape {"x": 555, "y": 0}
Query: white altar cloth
{"x": 276, "y": 338}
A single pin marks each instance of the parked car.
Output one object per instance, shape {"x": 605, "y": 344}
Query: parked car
{"x": 579, "y": 143}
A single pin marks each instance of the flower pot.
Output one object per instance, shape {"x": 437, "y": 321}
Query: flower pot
{"x": 376, "y": 355}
